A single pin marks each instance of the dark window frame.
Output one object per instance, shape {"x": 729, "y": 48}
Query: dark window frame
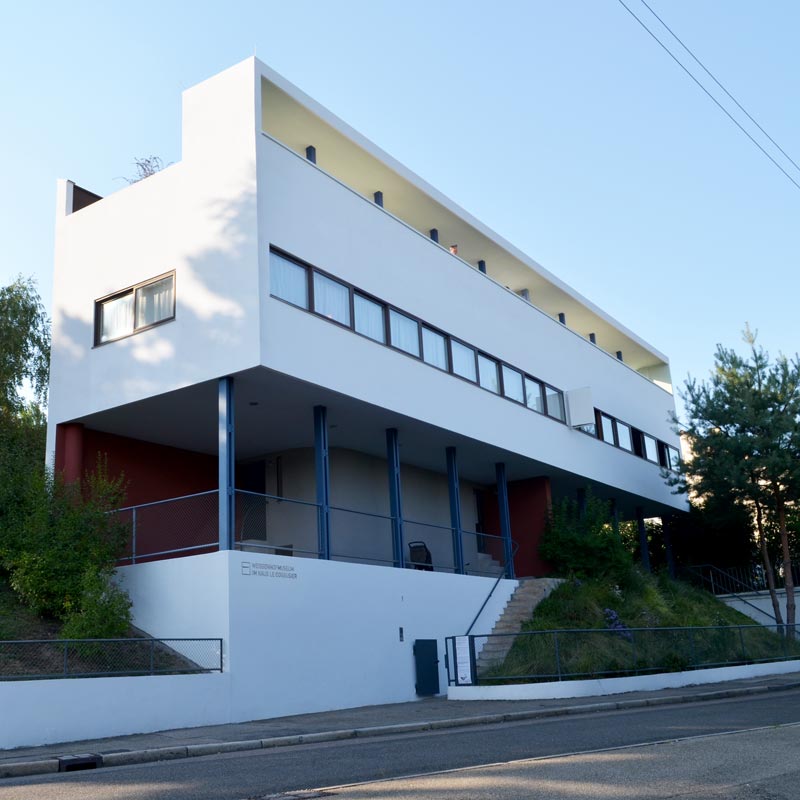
{"x": 132, "y": 290}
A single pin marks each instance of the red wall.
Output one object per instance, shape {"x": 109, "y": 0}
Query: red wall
{"x": 528, "y": 504}
{"x": 152, "y": 471}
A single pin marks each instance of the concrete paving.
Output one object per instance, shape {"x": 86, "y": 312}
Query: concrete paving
{"x": 368, "y": 721}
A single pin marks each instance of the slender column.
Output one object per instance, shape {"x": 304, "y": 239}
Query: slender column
{"x": 227, "y": 462}
{"x": 642, "y": 537}
{"x": 395, "y": 496}
{"x": 322, "y": 465}
{"x": 455, "y": 509}
{"x": 505, "y": 517}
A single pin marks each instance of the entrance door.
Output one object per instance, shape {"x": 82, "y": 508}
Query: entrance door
{"x": 426, "y": 660}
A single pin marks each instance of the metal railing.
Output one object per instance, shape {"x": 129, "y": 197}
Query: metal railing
{"x": 733, "y": 580}
{"x": 287, "y": 526}
{"x": 503, "y": 574}
{"x": 572, "y": 654}
{"x": 93, "y": 658}
{"x": 185, "y": 525}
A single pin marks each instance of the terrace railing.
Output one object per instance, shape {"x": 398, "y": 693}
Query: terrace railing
{"x": 557, "y": 655}
{"x": 278, "y": 525}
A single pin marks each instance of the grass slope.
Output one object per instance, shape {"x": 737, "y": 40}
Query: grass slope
{"x": 605, "y": 645}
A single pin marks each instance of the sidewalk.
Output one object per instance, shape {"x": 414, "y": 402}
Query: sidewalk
{"x": 367, "y": 721}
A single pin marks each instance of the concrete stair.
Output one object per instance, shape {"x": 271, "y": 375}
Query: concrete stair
{"x": 519, "y": 609}
{"x": 484, "y": 564}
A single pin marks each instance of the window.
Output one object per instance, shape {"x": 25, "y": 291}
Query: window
{"x": 533, "y": 395}
{"x": 555, "y": 403}
{"x": 607, "y": 426}
{"x": 331, "y": 299}
{"x": 487, "y": 371}
{"x": 288, "y": 281}
{"x": 135, "y": 309}
{"x": 405, "y": 332}
{"x": 463, "y": 360}
{"x": 624, "y": 438}
{"x": 369, "y": 318}
{"x": 673, "y": 457}
{"x": 650, "y": 448}
{"x": 434, "y": 348}
{"x": 512, "y": 384}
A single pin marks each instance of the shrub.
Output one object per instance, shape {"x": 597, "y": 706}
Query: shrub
{"x": 584, "y": 544}
{"x": 103, "y": 610}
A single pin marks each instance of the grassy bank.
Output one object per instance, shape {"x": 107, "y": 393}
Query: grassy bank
{"x": 606, "y": 641}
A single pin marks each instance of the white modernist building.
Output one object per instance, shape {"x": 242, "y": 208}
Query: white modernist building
{"x": 306, "y": 385}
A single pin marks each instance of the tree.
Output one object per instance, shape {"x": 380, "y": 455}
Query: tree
{"x": 743, "y": 427}
{"x": 24, "y": 345}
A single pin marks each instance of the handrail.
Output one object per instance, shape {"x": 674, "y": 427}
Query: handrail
{"x": 503, "y": 574}
{"x": 161, "y": 502}
{"x": 695, "y": 571}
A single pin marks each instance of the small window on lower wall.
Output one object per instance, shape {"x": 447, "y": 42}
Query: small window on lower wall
{"x": 512, "y": 384}
{"x": 463, "y": 360}
{"x": 135, "y": 309}
{"x": 288, "y": 281}
{"x": 607, "y": 428}
{"x": 554, "y": 403}
{"x": 331, "y": 299}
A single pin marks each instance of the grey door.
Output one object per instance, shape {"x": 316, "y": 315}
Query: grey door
{"x": 426, "y": 659}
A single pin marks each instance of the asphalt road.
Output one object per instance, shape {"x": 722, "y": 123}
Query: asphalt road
{"x": 262, "y": 772}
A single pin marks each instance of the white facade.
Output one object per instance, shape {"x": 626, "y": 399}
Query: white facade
{"x": 141, "y": 385}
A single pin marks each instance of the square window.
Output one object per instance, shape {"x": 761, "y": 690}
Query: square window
{"x": 331, "y": 299}
{"x": 369, "y": 318}
{"x": 404, "y": 332}
{"x": 288, "y": 281}
{"x": 463, "y": 360}
{"x": 434, "y": 348}
{"x": 512, "y": 384}
{"x": 533, "y": 395}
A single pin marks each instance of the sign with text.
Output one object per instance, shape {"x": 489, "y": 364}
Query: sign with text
{"x": 265, "y": 570}
{"x": 463, "y": 661}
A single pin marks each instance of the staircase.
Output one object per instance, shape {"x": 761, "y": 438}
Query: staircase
{"x": 528, "y": 595}
{"x": 484, "y": 564}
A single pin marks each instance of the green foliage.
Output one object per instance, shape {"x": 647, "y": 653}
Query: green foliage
{"x": 607, "y": 617}
{"x": 584, "y": 544}
{"x": 24, "y": 344}
{"x": 63, "y": 534}
{"x": 103, "y": 610}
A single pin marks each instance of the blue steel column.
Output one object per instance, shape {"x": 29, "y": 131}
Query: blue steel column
{"x": 227, "y": 461}
{"x": 505, "y": 517}
{"x": 322, "y": 466}
{"x": 642, "y": 528}
{"x": 395, "y": 495}
{"x": 455, "y": 509}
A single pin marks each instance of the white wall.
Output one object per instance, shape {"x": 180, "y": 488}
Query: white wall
{"x": 758, "y": 606}
{"x": 51, "y": 711}
{"x": 325, "y": 638}
{"x": 197, "y": 217}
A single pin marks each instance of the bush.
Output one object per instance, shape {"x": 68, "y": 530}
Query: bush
{"x": 103, "y": 610}
{"x": 584, "y": 545}
{"x": 63, "y": 535}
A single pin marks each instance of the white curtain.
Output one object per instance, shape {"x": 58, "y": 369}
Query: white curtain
{"x": 116, "y": 317}
{"x": 288, "y": 281}
{"x": 154, "y": 302}
{"x": 331, "y": 299}
{"x": 463, "y": 360}
{"x": 405, "y": 332}
{"x": 369, "y": 318}
{"x": 434, "y": 348}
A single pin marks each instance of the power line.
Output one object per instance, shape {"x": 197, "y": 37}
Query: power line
{"x": 714, "y": 78}
{"x": 710, "y": 96}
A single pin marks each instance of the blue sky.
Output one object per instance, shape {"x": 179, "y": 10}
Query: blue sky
{"x": 559, "y": 123}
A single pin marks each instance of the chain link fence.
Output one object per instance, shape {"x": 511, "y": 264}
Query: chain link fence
{"x": 540, "y": 656}
{"x": 85, "y": 658}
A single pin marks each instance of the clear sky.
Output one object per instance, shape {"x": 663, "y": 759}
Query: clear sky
{"x": 559, "y": 123}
